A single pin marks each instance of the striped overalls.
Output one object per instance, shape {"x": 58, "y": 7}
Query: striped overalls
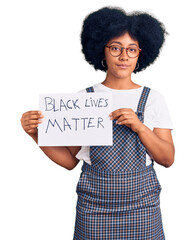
{"x": 118, "y": 195}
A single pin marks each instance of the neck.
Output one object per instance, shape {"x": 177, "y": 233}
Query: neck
{"x": 119, "y": 83}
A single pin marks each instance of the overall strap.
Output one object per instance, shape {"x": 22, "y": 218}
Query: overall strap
{"x": 143, "y": 99}
{"x": 90, "y": 89}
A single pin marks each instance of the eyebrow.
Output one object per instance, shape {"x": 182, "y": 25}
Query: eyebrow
{"x": 121, "y": 43}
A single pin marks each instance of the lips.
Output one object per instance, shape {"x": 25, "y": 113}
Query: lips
{"x": 124, "y": 66}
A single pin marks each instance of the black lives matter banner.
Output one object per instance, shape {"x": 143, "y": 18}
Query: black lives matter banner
{"x": 75, "y": 119}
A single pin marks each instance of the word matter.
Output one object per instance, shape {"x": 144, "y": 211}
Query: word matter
{"x": 75, "y": 124}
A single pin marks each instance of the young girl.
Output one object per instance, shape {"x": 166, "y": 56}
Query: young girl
{"x": 118, "y": 191}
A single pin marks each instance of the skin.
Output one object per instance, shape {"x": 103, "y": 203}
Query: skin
{"x": 158, "y": 142}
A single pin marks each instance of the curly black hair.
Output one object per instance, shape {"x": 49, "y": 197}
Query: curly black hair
{"x": 103, "y": 25}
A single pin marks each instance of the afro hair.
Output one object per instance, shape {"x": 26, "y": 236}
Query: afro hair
{"x": 103, "y": 25}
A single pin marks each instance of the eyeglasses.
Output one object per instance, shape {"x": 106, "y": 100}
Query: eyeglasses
{"x": 132, "y": 51}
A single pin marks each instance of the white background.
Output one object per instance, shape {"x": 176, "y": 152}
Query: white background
{"x": 40, "y": 52}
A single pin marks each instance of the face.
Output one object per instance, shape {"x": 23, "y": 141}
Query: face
{"x": 121, "y": 66}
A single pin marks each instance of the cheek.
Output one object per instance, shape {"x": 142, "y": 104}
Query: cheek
{"x": 110, "y": 62}
{"x": 108, "y": 58}
{"x": 134, "y": 63}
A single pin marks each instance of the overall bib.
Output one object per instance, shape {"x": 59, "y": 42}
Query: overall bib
{"x": 118, "y": 195}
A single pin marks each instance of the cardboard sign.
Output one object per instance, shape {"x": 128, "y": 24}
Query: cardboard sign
{"x": 79, "y": 119}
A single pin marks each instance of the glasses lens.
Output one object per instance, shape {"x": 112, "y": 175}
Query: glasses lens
{"x": 115, "y": 51}
{"x": 133, "y": 51}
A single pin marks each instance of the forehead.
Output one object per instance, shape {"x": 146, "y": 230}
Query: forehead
{"x": 124, "y": 39}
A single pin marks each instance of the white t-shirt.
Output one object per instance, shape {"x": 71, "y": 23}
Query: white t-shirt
{"x": 156, "y": 114}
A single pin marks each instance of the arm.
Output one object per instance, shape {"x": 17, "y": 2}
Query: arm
{"x": 158, "y": 142}
{"x": 63, "y": 156}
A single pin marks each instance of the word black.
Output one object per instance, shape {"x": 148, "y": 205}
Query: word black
{"x": 51, "y": 104}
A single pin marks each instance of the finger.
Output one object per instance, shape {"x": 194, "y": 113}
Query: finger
{"x": 31, "y": 127}
{"x": 31, "y": 122}
{"x": 33, "y": 116}
{"x": 125, "y": 122}
{"x": 115, "y": 114}
{"x": 36, "y": 112}
{"x": 123, "y": 117}
{"x": 31, "y": 131}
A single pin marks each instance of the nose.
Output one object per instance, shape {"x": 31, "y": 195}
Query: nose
{"x": 124, "y": 55}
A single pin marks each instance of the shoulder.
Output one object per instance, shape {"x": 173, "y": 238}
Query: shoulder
{"x": 155, "y": 97}
{"x": 155, "y": 94}
{"x": 156, "y": 103}
{"x": 157, "y": 110}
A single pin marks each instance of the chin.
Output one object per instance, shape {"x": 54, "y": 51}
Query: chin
{"x": 121, "y": 74}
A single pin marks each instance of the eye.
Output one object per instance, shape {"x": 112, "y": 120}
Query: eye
{"x": 132, "y": 49}
{"x": 115, "y": 48}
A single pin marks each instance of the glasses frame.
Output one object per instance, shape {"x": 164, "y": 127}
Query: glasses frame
{"x": 121, "y": 50}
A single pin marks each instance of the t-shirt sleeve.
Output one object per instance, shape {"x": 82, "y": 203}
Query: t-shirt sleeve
{"x": 162, "y": 117}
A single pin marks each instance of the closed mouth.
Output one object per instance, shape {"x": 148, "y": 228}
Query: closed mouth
{"x": 122, "y": 65}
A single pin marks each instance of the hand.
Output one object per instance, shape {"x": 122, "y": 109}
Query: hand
{"x": 30, "y": 121}
{"x": 127, "y": 117}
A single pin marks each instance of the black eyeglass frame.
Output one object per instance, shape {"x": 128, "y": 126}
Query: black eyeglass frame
{"x": 121, "y": 50}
